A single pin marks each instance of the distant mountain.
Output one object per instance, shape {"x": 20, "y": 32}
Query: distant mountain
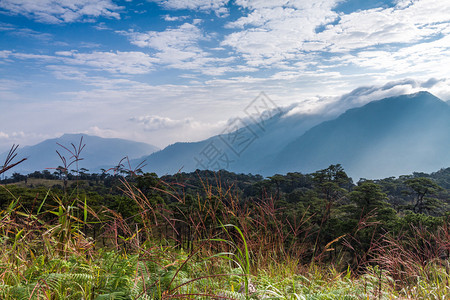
{"x": 384, "y": 138}
{"x": 388, "y": 137}
{"x": 241, "y": 147}
{"x": 98, "y": 153}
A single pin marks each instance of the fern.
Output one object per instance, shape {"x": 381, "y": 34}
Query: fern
{"x": 231, "y": 294}
{"x": 17, "y": 292}
{"x": 59, "y": 279}
{"x": 114, "y": 296}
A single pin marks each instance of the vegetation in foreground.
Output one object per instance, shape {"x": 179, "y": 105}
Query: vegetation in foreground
{"x": 226, "y": 236}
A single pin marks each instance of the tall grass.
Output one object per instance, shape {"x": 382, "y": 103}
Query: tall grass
{"x": 221, "y": 249}
{"x": 9, "y": 164}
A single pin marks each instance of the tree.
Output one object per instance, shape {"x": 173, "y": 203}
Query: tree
{"x": 152, "y": 187}
{"x": 17, "y": 177}
{"x": 278, "y": 180}
{"x": 332, "y": 183}
{"x": 369, "y": 198}
{"x": 422, "y": 187}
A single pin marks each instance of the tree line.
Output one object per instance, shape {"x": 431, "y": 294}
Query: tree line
{"x": 322, "y": 215}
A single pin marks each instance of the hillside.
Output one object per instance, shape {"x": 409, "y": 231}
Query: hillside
{"x": 98, "y": 153}
{"x": 237, "y": 149}
{"x": 383, "y": 138}
{"x": 389, "y": 137}
{"x": 296, "y": 236}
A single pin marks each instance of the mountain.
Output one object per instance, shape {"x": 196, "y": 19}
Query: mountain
{"x": 98, "y": 153}
{"x": 241, "y": 146}
{"x": 388, "y": 137}
{"x": 384, "y": 138}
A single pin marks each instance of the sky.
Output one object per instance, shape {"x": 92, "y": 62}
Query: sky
{"x": 163, "y": 71}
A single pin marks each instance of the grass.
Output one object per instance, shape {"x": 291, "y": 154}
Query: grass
{"x": 113, "y": 275}
{"x": 56, "y": 260}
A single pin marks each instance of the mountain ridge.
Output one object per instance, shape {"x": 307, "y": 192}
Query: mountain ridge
{"x": 384, "y": 121}
{"x": 386, "y": 127}
{"x": 242, "y": 156}
{"x": 383, "y": 138}
{"x": 98, "y": 153}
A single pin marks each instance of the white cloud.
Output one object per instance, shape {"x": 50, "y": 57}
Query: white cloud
{"x": 102, "y": 132}
{"x": 25, "y": 32}
{"x": 365, "y": 94}
{"x": 218, "y": 6}
{"x": 4, "y": 54}
{"x": 153, "y": 123}
{"x": 170, "y": 18}
{"x": 274, "y": 32}
{"x": 114, "y": 62}
{"x": 101, "y": 26}
{"x": 61, "y": 11}
{"x": 335, "y": 105}
{"x": 170, "y": 130}
{"x": 312, "y": 54}
{"x": 179, "y": 48}
{"x": 424, "y": 59}
{"x": 9, "y": 90}
{"x": 182, "y": 37}
{"x": 21, "y": 138}
{"x": 24, "y": 56}
{"x": 6, "y": 27}
{"x": 281, "y": 33}
{"x": 410, "y": 23}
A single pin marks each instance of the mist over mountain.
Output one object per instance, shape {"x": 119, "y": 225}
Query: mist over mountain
{"x": 98, "y": 153}
{"x": 388, "y": 137}
{"x": 241, "y": 147}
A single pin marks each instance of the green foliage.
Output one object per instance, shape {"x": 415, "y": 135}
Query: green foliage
{"x": 294, "y": 236}
{"x": 423, "y": 188}
{"x": 370, "y": 200}
{"x": 241, "y": 256}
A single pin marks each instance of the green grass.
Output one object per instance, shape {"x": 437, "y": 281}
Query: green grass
{"x": 114, "y": 275}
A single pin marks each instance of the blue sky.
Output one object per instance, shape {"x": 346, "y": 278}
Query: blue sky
{"x": 163, "y": 71}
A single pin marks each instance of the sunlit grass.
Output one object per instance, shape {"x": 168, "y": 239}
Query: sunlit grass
{"x": 55, "y": 259}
